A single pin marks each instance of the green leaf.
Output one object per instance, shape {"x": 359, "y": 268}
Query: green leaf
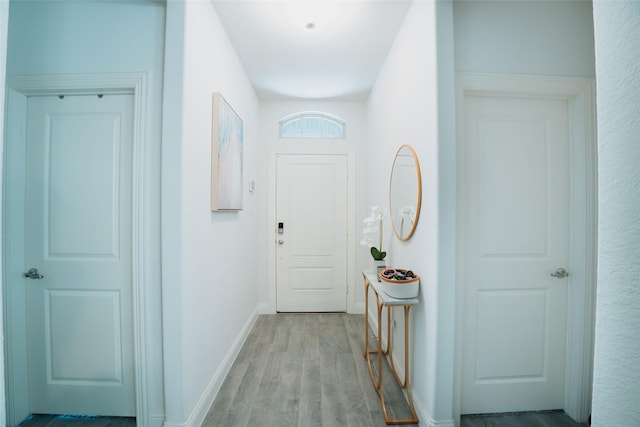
{"x": 376, "y": 254}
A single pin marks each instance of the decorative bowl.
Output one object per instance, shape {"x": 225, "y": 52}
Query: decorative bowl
{"x": 400, "y": 283}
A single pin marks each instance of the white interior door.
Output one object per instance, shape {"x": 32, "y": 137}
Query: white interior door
{"x": 78, "y": 235}
{"x": 311, "y": 208}
{"x": 516, "y": 207}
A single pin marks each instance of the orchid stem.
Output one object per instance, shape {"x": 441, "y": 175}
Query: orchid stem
{"x": 380, "y": 232}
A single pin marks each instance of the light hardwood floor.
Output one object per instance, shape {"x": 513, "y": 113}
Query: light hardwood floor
{"x": 303, "y": 370}
{"x": 308, "y": 370}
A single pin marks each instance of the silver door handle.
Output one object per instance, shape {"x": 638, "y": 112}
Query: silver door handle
{"x": 33, "y": 273}
{"x": 560, "y": 273}
{"x": 280, "y": 242}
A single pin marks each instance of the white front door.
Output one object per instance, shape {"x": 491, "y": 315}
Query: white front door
{"x": 78, "y": 236}
{"x": 311, "y": 232}
{"x": 516, "y": 206}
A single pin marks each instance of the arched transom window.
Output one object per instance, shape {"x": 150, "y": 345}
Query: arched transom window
{"x": 312, "y": 124}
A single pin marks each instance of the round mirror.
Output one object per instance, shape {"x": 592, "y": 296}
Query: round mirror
{"x": 405, "y": 192}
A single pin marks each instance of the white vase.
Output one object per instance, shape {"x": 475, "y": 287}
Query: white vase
{"x": 380, "y": 264}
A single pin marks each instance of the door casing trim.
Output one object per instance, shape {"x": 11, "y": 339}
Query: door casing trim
{"x": 579, "y": 93}
{"x": 271, "y": 251}
{"x": 19, "y": 88}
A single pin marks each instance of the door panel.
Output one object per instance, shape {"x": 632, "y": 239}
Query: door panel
{"x": 516, "y": 155}
{"x": 80, "y": 197}
{"x": 78, "y": 226}
{"x": 312, "y": 249}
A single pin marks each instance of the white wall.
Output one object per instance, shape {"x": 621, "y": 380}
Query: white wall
{"x": 412, "y": 103}
{"x": 617, "y": 350}
{"x": 4, "y": 21}
{"x": 210, "y": 280}
{"x": 524, "y": 37}
{"x": 97, "y": 37}
{"x": 271, "y": 112}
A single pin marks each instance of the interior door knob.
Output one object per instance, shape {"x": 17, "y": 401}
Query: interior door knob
{"x": 33, "y": 273}
{"x": 560, "y": 273}
{"x": 280, "y": 241}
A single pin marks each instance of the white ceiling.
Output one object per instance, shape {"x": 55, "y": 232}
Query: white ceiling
{"x": 338, "y": 59}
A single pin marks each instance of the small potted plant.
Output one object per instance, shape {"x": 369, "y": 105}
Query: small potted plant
{"x": 372, "y": 231}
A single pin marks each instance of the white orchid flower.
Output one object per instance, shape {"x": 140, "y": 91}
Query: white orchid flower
{"x": 373, "y": 228}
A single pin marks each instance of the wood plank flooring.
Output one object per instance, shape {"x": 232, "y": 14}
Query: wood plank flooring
{"x": 307, "y": 370}
{"x": 303, "y": 370}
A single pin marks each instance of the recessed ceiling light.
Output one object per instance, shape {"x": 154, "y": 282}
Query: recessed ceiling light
{"x": 312, "y": 15}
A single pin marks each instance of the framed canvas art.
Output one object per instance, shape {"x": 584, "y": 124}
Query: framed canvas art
{"x": 226, "y": 157}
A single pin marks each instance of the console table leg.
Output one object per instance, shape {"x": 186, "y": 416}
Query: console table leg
{"x": 377, "y": 383}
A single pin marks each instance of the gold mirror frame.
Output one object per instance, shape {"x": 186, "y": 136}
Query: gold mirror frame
{"x": 405, "y": 192}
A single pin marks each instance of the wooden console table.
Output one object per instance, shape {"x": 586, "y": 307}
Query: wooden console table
{"x": 384, "y": 300}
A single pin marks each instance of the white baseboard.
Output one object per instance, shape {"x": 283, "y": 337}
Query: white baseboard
{"x": 358, "y": 308}
{"x": 425, "y": 417}
{"x": 265, "y": 308}
{"x": 169, "y": 424}
{"x": 156, "y": 420}
{"x": 202, "y": 407}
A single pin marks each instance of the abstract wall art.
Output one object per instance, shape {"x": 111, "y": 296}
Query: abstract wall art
{"x": 226, "y": 157}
